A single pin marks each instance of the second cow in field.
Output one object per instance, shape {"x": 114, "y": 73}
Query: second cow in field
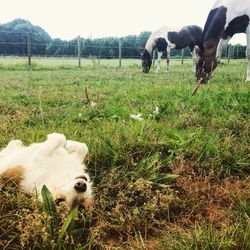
{"x": 167, "y": 38}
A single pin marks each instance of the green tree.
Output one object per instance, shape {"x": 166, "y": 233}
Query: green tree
{"x": 13, "y": 38}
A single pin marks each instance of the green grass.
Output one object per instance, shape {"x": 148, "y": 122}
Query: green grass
{"x": 149, "y": 175}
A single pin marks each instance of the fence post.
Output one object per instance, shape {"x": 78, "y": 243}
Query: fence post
{"x": 120, "y": 52}
{"x": 182, "y": 56}
{"x": 228, "y": 53}
{"x": 29, "y": 48}
{"x": 99, "y": 55}
{"x": 232, "y": 52}
{"x": 79, "y": 51}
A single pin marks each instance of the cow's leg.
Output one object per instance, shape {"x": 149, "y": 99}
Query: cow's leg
{"x": 248, "y": 53}
{"x": 168, "y": 57}
{"x": 195, "y": 51}
{"x": 159, "y": 60}
{"x": 222, "y": 44}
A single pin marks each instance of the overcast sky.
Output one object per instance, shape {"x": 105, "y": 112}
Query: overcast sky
{"x": 66, "y": 19}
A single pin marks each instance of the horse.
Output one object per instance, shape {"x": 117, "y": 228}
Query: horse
{"x": 167, "y": 38}
{"x": 225, "y": 19}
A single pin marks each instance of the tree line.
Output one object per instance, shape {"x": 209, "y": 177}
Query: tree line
{"x": 14, "y": 37}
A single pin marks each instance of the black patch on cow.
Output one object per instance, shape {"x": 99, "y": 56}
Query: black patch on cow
{"x": 196, "y": 35}
{"x": 215, "y": 24}
{"x": 161, "y": 44}
{"x": 188, "y": 36}
{"x": 145, "y": 55}
{"x": 237, "y": 25}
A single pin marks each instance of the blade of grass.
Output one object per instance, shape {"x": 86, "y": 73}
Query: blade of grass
{"x": 49, "y": 207}
{"x": 67, "y": 226}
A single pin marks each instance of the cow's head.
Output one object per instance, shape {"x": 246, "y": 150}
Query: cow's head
{"x": 146, "y": 61}
{"x": 206, "y": 62}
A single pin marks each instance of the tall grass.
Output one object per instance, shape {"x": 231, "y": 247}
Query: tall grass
{"x": 178, "y": 179}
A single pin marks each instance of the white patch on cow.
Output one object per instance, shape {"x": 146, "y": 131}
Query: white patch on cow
{"x": 160, "y": 33}
{"x": 195, "y": 56}
{"x": 159, "y": 61}
{"x": 234, "y": 8}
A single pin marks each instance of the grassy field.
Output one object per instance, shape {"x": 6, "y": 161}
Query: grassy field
{"x": 177, "y": 179}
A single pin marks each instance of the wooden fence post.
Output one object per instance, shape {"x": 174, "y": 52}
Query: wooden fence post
{"x": 29, "y": 48}
{"x": 79, "y": 51}
{"x": 228, "y": 53}
{"x": 232, "y": 52}
{"x": 120, "y": 53}
{"x": 99, "y": 55}
{"x": 182, "y": 56}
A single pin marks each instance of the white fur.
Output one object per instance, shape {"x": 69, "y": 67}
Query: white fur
{"x": 55, "y": 163}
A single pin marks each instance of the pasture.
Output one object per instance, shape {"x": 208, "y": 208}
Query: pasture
{"x": 178, "y": 179}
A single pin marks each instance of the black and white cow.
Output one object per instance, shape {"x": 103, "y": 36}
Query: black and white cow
{"x": 225, "y": 19}
{"x": 167, "y": 38}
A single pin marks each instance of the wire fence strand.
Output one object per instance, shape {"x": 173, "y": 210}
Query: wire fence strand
{"x": 120, "y": 48}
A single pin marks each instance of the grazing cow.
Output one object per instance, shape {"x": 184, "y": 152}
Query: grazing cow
{"x": 168, "y": 38}
{"x": 225, "y": 19}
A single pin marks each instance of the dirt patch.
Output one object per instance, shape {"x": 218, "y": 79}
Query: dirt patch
{"x": 207, "y": 198}
{"x": 133, "y": 214}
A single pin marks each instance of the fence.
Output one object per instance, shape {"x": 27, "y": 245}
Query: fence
{"x": 77, "y": 49}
